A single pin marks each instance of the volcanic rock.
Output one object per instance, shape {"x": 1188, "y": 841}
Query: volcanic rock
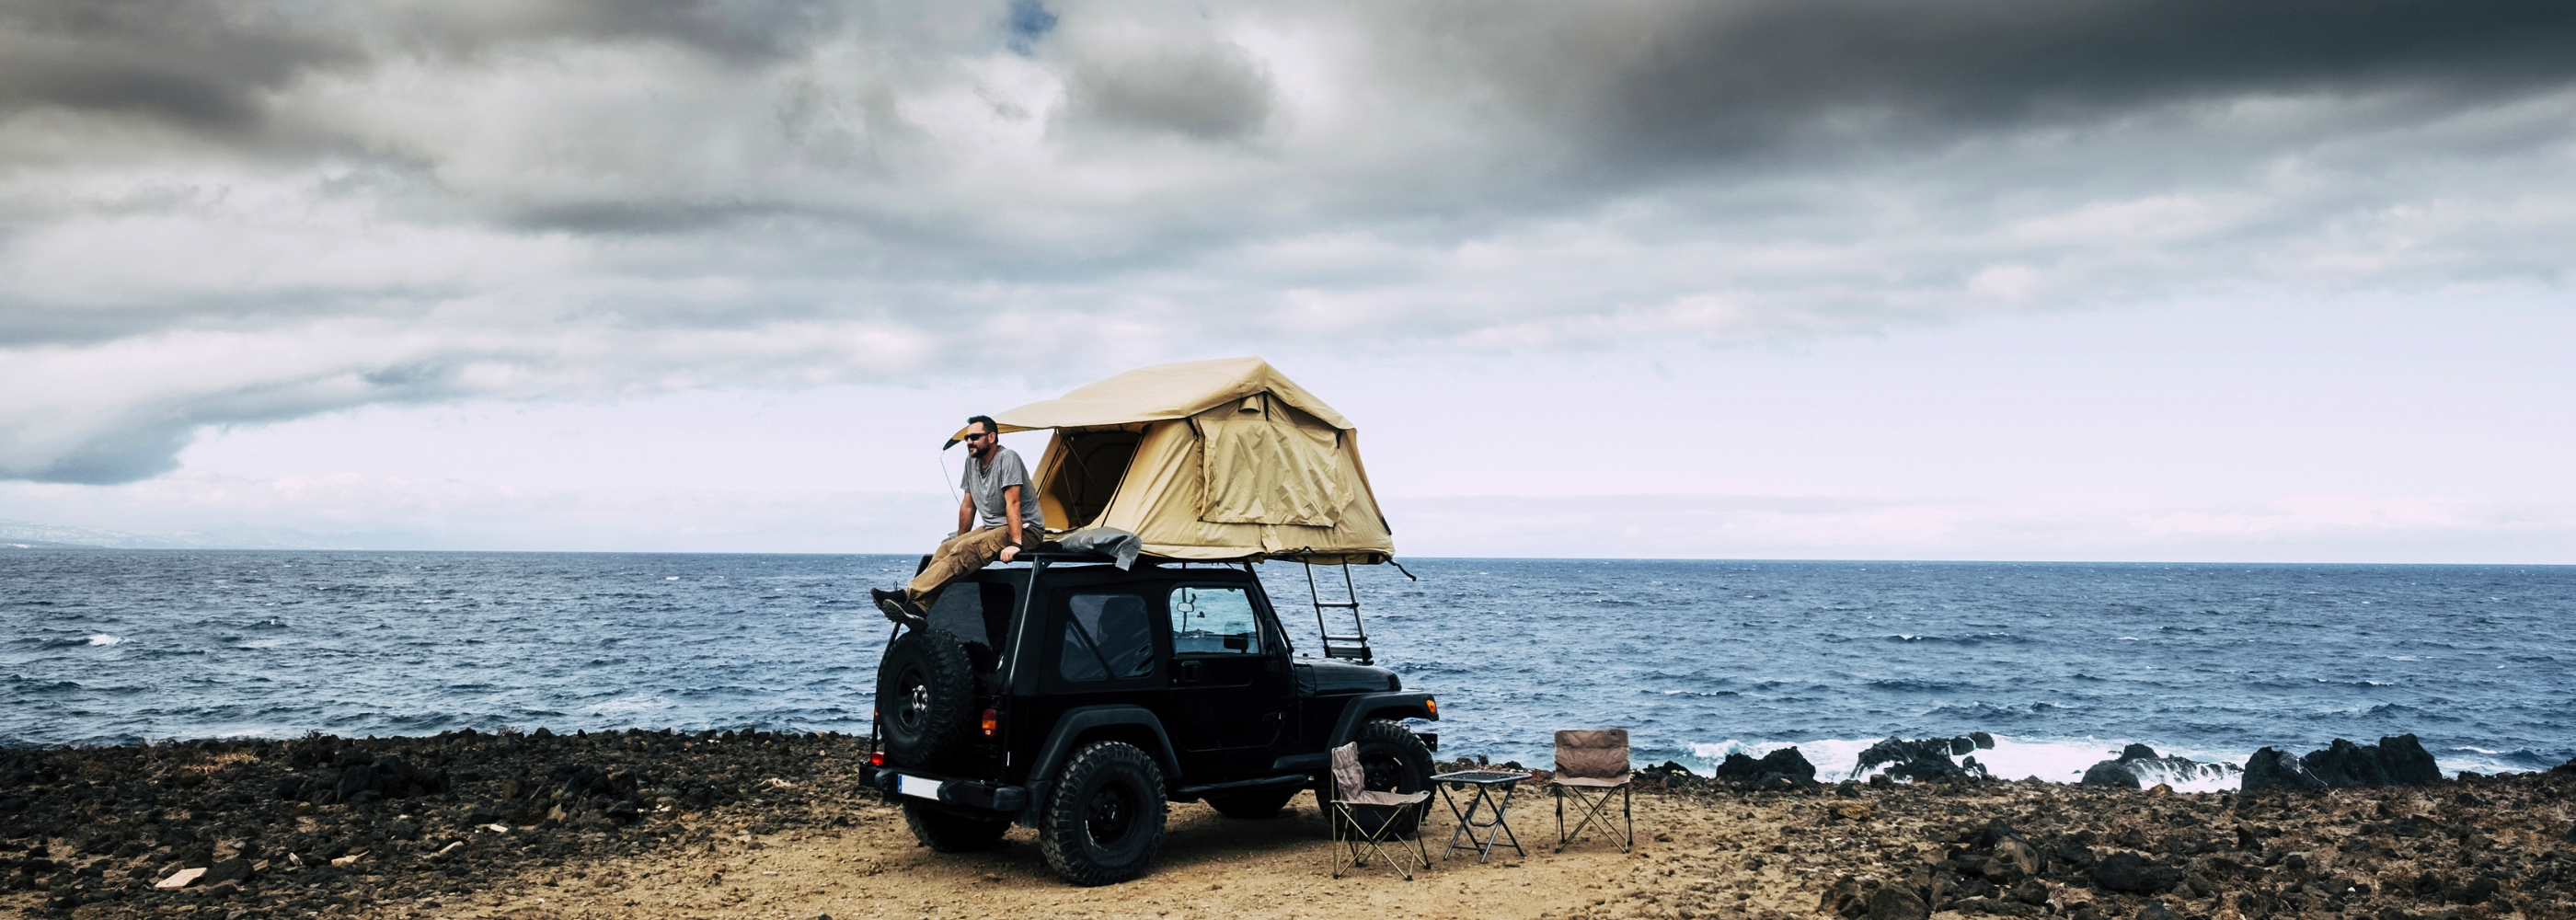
{"x": 2112, "y": 773}
{"x": 2398, "y": 760}
{"x": 1892, "y": 902}
{"x": 2272, "y": 768}
{"x": 1781, "y": 767}
{"x": 1928, "y": 758}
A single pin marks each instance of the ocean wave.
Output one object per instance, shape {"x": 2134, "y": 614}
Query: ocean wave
{"x": 2059, "y": 760}
{"x": 1910, "y": 685}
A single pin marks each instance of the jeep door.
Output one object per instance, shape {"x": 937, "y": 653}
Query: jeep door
{"x": 1231, "y": 690}
{"x": 1097, "y": 648}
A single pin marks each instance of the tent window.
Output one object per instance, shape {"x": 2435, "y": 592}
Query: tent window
{"x": 1095, "y": 462}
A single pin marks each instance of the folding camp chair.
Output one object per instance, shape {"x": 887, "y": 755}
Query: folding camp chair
{"x": 1590, "y": 764}
{"x": 1365, "y": 820}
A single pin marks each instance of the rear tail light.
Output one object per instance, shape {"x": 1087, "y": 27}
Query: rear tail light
{"x": 1433, "y": 705}
{"x": 876, "y": 758}
{"x": 992, "y": 723}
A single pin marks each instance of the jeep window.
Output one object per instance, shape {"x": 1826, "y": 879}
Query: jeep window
{"x": 1108, "y": 636}
{"x": 979, "y": 615}
{"x": 1214, "y": 621}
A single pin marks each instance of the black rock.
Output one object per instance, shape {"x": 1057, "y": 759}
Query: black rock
{"x": 2111, "y": 773}
{"x": 2122, "y": 871}
{"x": 1912, "y": 760}
{"x": 1962, "y": 745}
{"x": 2273, "y": 768}
{"x": 2137, "y": 752}
{"x": 1893, "y": 902}
{"x": 2406, "y": 762}
{"x": 1785, "y": 764}
{"x": 2344, "y": 765}
{"x": 1670, "y": 769}
{"x": 1983, "y": 741}
{"x": 231, "y": 870}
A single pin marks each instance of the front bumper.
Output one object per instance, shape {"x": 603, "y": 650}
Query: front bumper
{"x": 899, "y": 783}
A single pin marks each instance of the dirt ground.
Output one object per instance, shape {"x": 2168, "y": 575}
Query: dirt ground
{"x": 755, "y": 825}
{"x": 1211, "y": 866}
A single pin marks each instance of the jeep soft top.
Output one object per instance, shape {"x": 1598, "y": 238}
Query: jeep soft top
{"x": 1071, "y": 696}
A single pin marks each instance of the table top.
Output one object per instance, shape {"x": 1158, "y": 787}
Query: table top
{"x": 1481, "y": 776}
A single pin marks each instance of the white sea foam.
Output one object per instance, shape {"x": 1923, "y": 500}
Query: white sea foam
{"x": 104, "y": 639}
{"x": 2058, "y": 760}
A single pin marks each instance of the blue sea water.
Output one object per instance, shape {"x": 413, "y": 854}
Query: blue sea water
{"x": 2063, "y": 662}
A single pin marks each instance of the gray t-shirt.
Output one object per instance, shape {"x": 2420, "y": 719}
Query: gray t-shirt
{"x": 986, "y": 486}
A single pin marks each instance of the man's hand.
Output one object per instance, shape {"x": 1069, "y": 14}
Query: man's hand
{"x": 1009, "y": 553}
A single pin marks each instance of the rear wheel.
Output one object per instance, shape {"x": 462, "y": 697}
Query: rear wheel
{"x": 1252, "y": 804}
{"x": 1395, "y": 761}
{"x": 949, "y": 833}
{"x": 1104, "y": 818}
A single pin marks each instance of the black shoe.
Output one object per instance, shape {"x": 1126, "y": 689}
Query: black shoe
{"x": 899, "y": 608}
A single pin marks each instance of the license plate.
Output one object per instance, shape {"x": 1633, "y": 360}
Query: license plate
{"x": 917, "y": 787}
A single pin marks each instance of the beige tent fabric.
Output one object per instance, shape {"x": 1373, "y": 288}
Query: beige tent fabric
{"x": 1166, "y": 391}
{"x": 1260, "y": 471}
{"x": 1244, "y": 476}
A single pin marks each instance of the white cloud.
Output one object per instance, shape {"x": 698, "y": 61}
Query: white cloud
{"x": 224, "y": 217}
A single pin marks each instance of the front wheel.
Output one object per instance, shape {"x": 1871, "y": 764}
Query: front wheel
{"x": 1104, "y": 819}
{"x": 1395, "y": 760}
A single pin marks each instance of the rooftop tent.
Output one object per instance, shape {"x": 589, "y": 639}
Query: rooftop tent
{"x": 1221, "y": 459}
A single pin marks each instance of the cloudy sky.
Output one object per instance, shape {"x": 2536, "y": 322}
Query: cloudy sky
{"x": 1983, "y": 279}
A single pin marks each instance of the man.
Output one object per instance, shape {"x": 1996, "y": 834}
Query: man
{"x": 997, "y": 488}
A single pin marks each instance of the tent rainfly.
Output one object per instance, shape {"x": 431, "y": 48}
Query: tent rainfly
{"x": 1213, "y": 460}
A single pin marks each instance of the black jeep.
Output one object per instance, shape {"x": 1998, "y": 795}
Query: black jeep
{"x": 1080, "y": 707}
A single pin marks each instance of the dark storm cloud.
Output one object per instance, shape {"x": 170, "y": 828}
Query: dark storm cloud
{"x": 1716, "y": 80}
{"x": 1210, "y": 93}
{"x": 414, "y": 201}
{"x": 206, "y": 67}
{"x": 199, "y": 66}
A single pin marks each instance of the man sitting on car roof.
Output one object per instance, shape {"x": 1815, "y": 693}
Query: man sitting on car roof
{"x": 997, "y": 487}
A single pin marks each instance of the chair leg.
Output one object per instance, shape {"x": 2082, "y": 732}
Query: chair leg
{"x": 1593, "y": 811}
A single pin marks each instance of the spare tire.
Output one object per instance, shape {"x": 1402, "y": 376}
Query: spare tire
{"x": 926, "y": 700}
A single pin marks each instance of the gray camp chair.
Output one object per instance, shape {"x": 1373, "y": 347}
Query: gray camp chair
{"x": 1591, "y": 769}
{"x": 1365, "y": 820}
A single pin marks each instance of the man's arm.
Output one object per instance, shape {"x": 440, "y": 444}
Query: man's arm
{"x": 966, "y": 514}
{"x": 1011, "y": 515}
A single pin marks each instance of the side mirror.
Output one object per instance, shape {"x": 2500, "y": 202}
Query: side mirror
{"x": 1236, "y": 642}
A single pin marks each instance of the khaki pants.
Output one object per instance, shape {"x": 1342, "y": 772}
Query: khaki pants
{"x": 959, "y": 556}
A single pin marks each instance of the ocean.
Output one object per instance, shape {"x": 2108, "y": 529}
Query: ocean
{"x": 2062, "y": 662}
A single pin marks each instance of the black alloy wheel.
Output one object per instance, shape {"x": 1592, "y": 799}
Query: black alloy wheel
{"x": 1103, "y": 820}
{"x": 1110, "y": 814}
{"x": 1394, "y": 760}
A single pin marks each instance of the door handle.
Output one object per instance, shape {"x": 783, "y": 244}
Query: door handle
{"x": 1189, "y": 672}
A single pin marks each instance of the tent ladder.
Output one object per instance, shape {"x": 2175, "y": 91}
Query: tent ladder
{"x": 1353, "y": 645}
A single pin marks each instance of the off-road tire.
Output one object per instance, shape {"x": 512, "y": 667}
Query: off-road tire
{"x": 1104, "y": 818}
{"x": 1252, "y": 805}
{"x": 1396, "y": 761}
{"x": 949, "y": 833}
{"x": 926, "y": 700}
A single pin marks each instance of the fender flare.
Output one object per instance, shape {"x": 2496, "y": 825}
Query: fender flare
{"x": 1059, "y": 745}
{"x": 1401, "y": 704}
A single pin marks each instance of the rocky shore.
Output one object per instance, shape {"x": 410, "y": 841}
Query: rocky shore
{"x": 660, "y": 824}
